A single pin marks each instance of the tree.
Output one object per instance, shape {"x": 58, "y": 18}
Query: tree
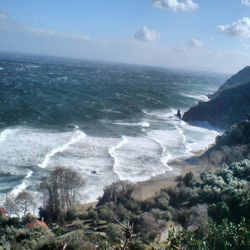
{"x": 60, "y": 191}
{"x": 11, "y": 206}
{"x": 24, "y": 202}
{"x": 188, "y": 179}
{"x": 117, "y": 192}
{"x": 179, "y": 180}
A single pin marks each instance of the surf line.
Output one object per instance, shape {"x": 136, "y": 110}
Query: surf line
{"x": 112, "y": 150}
{"x": 22, "y": 186}
{"x": 184, "y": 138}
{"x": 165, "y": 157}
{"x": 78, "y": 135}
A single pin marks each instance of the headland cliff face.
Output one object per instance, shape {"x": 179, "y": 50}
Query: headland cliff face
{"x": 229, "y": 105}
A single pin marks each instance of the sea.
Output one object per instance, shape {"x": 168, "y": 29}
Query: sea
{"x": 107, "y": 121}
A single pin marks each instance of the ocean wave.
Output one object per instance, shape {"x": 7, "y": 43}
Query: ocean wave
{"x": 137, "y": 159}
{"x": 199, "y": 138}
{"x": 161, "y": 114}
{"x": 142, "y": 124}
{"x": 21, "y": 187}
{"x": 202, "y": 98}
{"x": 5, "y": 133}
{"x": 112, "y": 151}
{"x": 184, "y": 138}
{"x": 165, "y": 156}
{"x": 78, "y": 135}
{"x": 32, "y": 66}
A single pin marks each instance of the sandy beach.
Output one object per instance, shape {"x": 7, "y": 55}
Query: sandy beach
{"x": 146, "y": 189}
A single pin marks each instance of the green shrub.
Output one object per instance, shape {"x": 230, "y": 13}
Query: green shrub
{"x": 115, "y": 233}
{"x": 70, "y": 215}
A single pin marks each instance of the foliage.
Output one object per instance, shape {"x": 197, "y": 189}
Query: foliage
{"x": 227, "y": 236}
{"x": 210, "y": 211}
{"x": 59, "y": 191}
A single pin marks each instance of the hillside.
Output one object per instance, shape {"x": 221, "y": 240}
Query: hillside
{"x": 243, "y": 76}
{"x": 232, "y": 146}
{"x": 229, "y": 107}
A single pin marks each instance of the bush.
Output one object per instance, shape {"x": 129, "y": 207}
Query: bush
{"x": 147, "y": 226}
{"x": 118, "y": 192}
{"x": 71, "y": 215}
{"x": 106, "y": 214}
{"x": 115, "y": 233}
{"x": 136, "y": 245}
{"x": 92, "y": 214}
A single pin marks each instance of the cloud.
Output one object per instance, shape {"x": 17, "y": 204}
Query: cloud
{"x": 246, "y": 2}
{"x": 16, "y": 38}
{"x": 194, "y": 43}
{"x": 146, "y": 35}
{"x": 239, "y": 28}
{"x": 7, "y": 24}
{"x": 176, "y": 5}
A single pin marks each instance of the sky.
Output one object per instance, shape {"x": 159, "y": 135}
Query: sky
{"x": 208, "y": 35}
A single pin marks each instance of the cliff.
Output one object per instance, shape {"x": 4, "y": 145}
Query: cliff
{"x": 230, "y": 106}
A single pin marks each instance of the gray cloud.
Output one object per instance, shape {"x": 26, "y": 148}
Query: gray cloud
{"x": 176, "y": 5}
{"x": 239, "y": 28}
{"x": 146, "y": 35}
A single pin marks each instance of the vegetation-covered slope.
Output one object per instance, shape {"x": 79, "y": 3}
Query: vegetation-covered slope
{"x": 210, "y": 211}
{"x": 243, "y": 76}
{"x": 233, "y": 145}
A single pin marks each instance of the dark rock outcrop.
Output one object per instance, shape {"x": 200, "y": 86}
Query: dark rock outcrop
{"x": 232, "y": 105}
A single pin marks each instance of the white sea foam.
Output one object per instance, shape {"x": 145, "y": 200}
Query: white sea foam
{"x": 161, "y": 114}
{"x": 98, "y": 158}
{"x": 22, "y": 186}
{"x": 202, "y": 98}
{"x": 184, "y": 138}
{"x": 5, "y": 133}
{"x": 198, "y": 138}
{"x": 1, "y": 68}
{"x": 142, "y": 124}
{"x": 165, "y": 156}
{"x": 171, "y": 141}
{"x": 33, "y": 66}
{"x": 112, "y": 152}
{"x": 137, "y": 159}
{"x": 78, "y": 135}
{"x": 90, "y": 158}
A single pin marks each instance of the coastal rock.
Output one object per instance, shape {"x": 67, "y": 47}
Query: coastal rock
{"x": 229, "y": 107}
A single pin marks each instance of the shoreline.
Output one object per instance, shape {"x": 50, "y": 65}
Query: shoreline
{"x": 147, "y": 189}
